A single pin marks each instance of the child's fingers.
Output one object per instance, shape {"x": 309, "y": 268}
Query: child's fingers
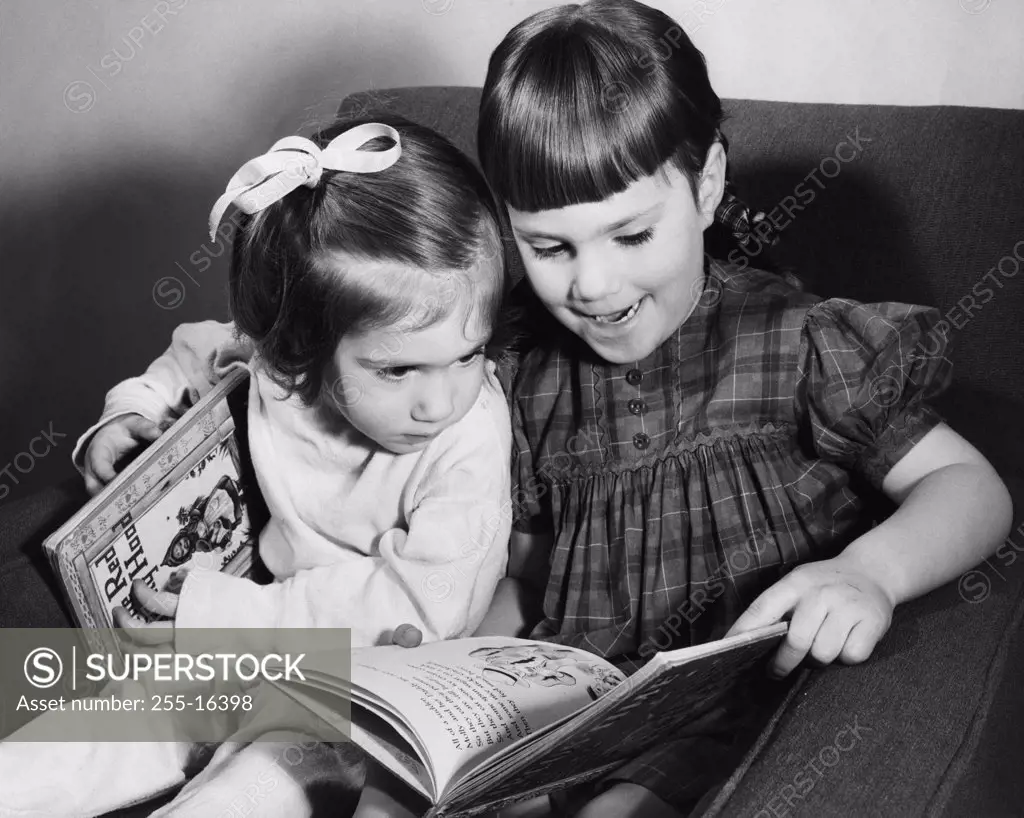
{"x": 125, "y": 621}
{"x": 100, "y": 461}
{"x": 831, "y": 637}
{"x": 771, "y": 606}
{"x": 861, "y": 641}
{"x": 807, "y": 619}
{"x": 98, "y": 468}
{"x": 161, "y": 603}
{"x": 110, "y": 445}
{"x": 143, "y": 633}
{"x": 92, "y": 484}
{"x": 142, "y": 428}
{"x": 106, "y": 449}
{"x": 407, "y": 636}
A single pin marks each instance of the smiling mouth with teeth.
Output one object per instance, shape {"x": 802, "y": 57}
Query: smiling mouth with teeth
{"x": 616, "y": 317}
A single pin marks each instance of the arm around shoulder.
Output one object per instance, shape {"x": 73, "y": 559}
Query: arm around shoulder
{"x": 200, "y": 354}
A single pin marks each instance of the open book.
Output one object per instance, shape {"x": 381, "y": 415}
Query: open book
{"x": 476, "y": 724}
{"x": 188, "y": 502}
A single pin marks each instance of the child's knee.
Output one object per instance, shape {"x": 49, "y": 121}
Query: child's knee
{"x": 331, "y": 764}
{"x": 627, "y": 800}
{"x": 329, "y": 772}
{"x": 280, "y": 773}
{"x": 384, "y": 796}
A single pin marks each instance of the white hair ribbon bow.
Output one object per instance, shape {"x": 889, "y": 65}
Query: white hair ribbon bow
{"x": 295, "y": 161}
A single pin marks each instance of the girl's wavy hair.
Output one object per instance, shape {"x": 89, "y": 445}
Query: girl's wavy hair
{"x": 580, "y": 101}
{"x": 429, "y": 221}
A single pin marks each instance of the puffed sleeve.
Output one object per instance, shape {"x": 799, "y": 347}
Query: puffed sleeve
{"x": 867, "y": 372}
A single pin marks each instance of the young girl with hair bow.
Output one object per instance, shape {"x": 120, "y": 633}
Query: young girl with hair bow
{"x": 366, "y": 291}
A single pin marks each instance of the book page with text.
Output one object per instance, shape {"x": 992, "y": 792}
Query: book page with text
{"x": 469, "y": 699}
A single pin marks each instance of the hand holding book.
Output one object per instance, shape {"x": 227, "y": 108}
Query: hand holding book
{"x": 112, "y": 445}
{"x": 188, "y": 503}
{"x": 159, "y": 609}
{"x": 836, "y": 610}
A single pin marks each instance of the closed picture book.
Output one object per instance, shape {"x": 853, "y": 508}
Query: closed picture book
{"x": 476, "y": 724}
{"x": 189, "y": 502}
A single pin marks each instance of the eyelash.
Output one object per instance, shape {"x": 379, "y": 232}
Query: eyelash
{"x": 636, "y": 239}
{"x": 388, "y": 373}
{"x": 632, "y": 240}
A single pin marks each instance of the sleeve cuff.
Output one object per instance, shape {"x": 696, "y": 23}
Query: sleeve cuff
{"x": 896, "y": 440}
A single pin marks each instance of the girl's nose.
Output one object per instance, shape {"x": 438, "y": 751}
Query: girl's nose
{"x": 435, "y": 401}
{"x": 593, "y": 280}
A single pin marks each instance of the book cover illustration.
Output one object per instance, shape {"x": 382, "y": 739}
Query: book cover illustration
{"x": 543, "y": 665}
{"x": 188, "y": 502}
{"x": 199, "y": 522}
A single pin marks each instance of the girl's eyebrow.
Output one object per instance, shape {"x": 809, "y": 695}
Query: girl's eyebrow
{"x": 395, "y": 363}
{"x": 618, "y": 225}
{"x": 611, "y": 228}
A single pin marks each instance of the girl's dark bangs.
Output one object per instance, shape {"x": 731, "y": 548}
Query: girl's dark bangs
{"x": 545, "y": 155}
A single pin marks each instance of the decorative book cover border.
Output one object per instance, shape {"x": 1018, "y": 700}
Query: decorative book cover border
{"x": 94, "y": 520}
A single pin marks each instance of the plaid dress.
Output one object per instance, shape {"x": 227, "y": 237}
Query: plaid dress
{"x": 679, "y": 487}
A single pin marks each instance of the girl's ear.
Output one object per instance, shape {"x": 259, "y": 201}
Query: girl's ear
{"x": 712, "y": 184}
